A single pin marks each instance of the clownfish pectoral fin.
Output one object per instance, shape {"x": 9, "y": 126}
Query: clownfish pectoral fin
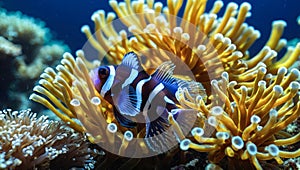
{"x": 159, "y": 137}
{"x": 164, "y": 73}
{"x": 127, "y": 101}
{"x": 131, "y": 60}
{"x": 123, "y": 120}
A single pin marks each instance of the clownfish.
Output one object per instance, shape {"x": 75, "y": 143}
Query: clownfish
{"x": 139, "y": 97}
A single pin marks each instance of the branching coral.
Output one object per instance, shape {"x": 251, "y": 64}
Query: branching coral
{"x": 26, "y": 49}
{"x": 28, "y": 142}
{"x": 248, "y": 118}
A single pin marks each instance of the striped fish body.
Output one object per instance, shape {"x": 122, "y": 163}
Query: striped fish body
{"x": 137, "y": 96}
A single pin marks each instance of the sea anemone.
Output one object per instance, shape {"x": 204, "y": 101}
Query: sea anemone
{"x": 247, "y": 120}
{"x": 206, "y": 44}
{"x": 73, "y": 98}
{"x": 69, "y": 93}
{"x": 252, "y": 98}
{"x": 28, "y": 142}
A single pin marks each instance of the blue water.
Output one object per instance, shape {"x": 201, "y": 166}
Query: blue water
{"x": 65, "y": 18}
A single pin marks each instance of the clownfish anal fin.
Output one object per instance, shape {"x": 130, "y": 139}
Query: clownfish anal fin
{"x": 123, "y": 120}
{"x": 164, "y": 73}
{"x": 159, "y": 137}
{"x": 156, "y": 127}
{"x": 131, "y": 60}
{"x": 128, "y": 102}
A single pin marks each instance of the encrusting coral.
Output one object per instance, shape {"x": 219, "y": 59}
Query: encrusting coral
{"x": 28, "y": 142}
{"x": 26, "y": 49}
{"x": 252, "y": 98}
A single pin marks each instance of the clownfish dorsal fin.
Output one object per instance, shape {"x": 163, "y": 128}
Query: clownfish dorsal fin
{"x": 164, "y": 73}
{"x": 131, "y": 60}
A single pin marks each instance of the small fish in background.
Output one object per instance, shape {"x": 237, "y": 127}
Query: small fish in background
{"x": 139, "y": 97}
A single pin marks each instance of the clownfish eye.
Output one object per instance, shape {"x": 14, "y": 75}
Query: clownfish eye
{"x": 103, "y": 72}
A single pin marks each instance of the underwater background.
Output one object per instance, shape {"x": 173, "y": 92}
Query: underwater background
{"x": 59, "y": 25}
{"x": 65, "y": 18}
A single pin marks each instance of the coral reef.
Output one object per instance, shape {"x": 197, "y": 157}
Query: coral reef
{"x": 8, "y": 49}
{"x": 252, "y": 98}
{"x": 28, "y": 142}
{"x": 26, "y": 49}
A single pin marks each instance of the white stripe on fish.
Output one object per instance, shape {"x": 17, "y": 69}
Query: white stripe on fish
{"x": 133, "y": 75}
{"x": 153, "y": 93}
{"x": 139, "y": 88}
{"x": 109, "y": 82}
{"x": 168, "y": 100}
